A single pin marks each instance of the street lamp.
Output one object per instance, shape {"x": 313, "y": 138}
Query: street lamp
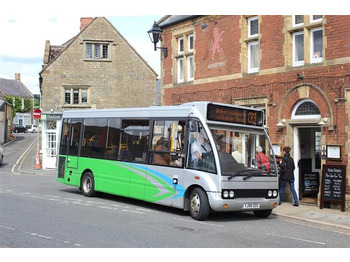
{"x": 155, "y": 34}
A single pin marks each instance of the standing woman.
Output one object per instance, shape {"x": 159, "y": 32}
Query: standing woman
{"x": 287, "y": 175}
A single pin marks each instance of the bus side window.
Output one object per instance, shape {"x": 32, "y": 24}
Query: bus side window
{"x": 168, "y": 143}
{"x": 200, "y": 152}
{"x": 95, "y": 134}
{"x": 134, "y": 139}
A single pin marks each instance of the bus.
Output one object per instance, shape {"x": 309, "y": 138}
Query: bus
{"x": 201, "y": 157}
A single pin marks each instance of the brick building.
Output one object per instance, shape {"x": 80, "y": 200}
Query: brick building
{"x": 296, "y": 68}
{"x": 95, "y": 69}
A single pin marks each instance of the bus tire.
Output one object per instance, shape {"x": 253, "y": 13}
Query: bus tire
{"x": 262, "y": 213}
{"x": 88, "y": 185}
{"x": 199, "y": 204}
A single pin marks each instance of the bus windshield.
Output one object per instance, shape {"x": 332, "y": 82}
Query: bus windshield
{"x": 243, "y": 151}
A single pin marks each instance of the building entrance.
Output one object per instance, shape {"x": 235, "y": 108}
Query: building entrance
{"x": 309, "y": 163}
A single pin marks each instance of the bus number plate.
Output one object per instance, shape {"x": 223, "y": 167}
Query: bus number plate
{"x": 251, "y": 205}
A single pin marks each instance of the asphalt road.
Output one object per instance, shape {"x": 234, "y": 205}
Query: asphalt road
{"x": 37, "y": 211}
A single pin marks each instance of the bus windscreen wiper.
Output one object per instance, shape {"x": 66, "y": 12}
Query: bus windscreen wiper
{"x": 243, "y": 171}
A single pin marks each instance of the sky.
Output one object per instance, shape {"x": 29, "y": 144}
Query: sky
{"x": 24, "y": 51}
{"x": 26, "y": 25}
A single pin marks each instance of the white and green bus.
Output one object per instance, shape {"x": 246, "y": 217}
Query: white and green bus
{"x": 199, "y": 157}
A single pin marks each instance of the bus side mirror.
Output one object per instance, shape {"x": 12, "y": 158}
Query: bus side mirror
{"x": 193, "y": 126}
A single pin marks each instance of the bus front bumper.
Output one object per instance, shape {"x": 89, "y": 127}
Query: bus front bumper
{"x": 217, "y": 203}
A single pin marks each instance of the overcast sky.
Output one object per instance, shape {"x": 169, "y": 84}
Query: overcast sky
{"x": 25, "y": 25}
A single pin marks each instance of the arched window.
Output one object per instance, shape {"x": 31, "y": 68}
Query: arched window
{"x": 306, "y": 109}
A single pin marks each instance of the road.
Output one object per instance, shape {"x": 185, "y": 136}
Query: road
{"x": 37, "y": 211}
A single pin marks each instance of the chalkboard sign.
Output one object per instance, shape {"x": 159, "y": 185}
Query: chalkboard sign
{"x": 333, "y": 185}
{"x": 311, "y": 183}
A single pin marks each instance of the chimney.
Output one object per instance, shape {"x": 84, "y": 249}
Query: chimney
{"x": 84, "y": 22}
{"x": 18, "y": 77}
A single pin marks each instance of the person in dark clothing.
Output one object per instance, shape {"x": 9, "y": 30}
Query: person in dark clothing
{"x": 287, "y": 175}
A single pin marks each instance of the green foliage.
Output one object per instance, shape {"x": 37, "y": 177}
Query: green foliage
{"x": 18, "y": 104}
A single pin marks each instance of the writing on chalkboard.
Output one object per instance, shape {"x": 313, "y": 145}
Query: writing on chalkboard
{"x": 311, "y": 183}
{"x": 333, "y": 184}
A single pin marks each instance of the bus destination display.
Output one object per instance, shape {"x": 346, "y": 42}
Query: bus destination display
{"x": 234, "y": 115}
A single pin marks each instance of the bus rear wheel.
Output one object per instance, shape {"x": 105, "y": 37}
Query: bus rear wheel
{"x": 88, "y": 184}
{"x": 199, "y": 204}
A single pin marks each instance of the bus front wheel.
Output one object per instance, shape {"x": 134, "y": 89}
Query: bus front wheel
{"x": 88, "y": 184}
{"x": 199, "y": 204}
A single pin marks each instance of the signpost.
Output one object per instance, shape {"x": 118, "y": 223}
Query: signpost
{"x": 37, "y": 115}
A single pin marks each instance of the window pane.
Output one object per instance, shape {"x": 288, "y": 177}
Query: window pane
{"x": 74, "y": 138}
{"x": 253, "y": 26}
{"x": 168, "y": 143}
{"x": 190, "y": 42}
{"x": 113, "y": 138}
{"x": 97, "y": 51}
{"x": 88, "y": 50}
{"x": 134, "y": 141}
{"x": 190, "y": 68}
{"x": 317, "y": 44}
{"x": 180, "y": 70}
{"x": 105, "y": 51}
{"x": 95, "y": 134}
{"x": 253, "y": 57}
{"x": 299, "y": 19}
{"x": 76, "y": 96}
{"x": 67, "y": 96}
{"x": 298, "y": 43}
{"x": 64, "y": 137}
{"x": 84, "y": 96}
{"x": 200, "y": 153}
{"x": 316, "y": 17}
{"x": 180, "y": 45}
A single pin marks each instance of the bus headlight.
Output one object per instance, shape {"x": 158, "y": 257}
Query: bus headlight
{"x": 269, "y": 193}
{"x": 228, "y": 194}
{"x": 232, "y": 194}
{"x": 275, "y": 193}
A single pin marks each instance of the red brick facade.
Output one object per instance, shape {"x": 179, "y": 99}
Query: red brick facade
{"x": 221, "y": 74}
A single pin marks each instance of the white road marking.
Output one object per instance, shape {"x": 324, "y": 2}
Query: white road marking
{"x": 298, "y": 239}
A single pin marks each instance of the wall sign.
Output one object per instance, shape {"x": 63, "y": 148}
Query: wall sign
{"x": 334, "y": 152}
{"x": 333, "y": 185}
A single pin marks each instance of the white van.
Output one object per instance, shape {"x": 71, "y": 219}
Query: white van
{"x": 32, "y": 128}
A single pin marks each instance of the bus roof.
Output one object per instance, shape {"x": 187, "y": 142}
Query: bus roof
{"x": 195, "y": 109}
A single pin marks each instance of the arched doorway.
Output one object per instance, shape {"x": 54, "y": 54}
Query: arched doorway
{"x": 307, "y": 149}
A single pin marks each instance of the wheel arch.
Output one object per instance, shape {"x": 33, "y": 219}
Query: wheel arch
{"x": 187, "y": 196}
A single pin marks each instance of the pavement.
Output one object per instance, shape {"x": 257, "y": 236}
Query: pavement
{"x": 26, "y": 164}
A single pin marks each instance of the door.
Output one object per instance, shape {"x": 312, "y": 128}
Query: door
{"x": 309, "y": 163}
{"x": 74, "y": 143}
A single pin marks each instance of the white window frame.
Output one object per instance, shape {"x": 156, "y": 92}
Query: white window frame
{"x": 314, "y": 59}
{"x": 294, "y": 24}
{"x": 250, "y": 68}
{"x": 249, "y": 26}
{"x": 180, "y": 70}
{"x": 301, "y": 62}
{"x": 312, "y": 20}
{"x": 190, "y": 68}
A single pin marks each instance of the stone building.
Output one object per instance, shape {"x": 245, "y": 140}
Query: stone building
{"x": 296, "y": 68}
{"x": 95, "y": 69}
{"x": 21, "y": 101}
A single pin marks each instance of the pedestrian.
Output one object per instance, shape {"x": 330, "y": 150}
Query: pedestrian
{"x": 287, "y": 174}
{"x": 262, "y": 160}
